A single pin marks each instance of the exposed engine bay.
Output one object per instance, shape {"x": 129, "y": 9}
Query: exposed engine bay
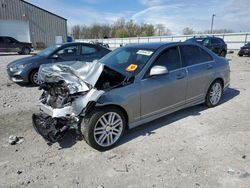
{"x": 68, "y": 89}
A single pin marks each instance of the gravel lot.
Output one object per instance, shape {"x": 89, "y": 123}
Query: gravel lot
{"x": 195, "y": 147}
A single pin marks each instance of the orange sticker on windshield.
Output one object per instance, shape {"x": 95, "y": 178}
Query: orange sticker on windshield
{"x": 131, "y": 68}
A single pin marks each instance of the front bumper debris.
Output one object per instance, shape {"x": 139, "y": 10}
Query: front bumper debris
{"x": 56, "y": 112}
{"x": 49, "y": 128}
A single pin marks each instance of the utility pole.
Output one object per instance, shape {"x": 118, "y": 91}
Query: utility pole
{"x": 212, "y": 24}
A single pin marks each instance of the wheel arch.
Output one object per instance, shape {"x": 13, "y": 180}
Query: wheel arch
{"x": 223, "y": 50}
{"x": 92, "y": 105}
{"x": 31, "y": 72}
{"x": 25, "y": 46}
{"x": 217, "y": 78}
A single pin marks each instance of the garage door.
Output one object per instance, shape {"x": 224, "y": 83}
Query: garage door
{"x": 16, "y": 29}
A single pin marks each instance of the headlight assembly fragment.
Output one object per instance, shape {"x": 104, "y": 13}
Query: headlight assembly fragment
{"x": 18, "y": 67}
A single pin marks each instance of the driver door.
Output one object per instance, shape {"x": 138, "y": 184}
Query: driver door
{"x": 10, "y": 44}
{"x": 163, "y": 93}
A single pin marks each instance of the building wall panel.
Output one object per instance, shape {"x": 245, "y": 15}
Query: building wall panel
{"x": 44, "y": 26}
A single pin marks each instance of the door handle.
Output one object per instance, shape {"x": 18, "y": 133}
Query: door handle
{"x": 209, "y": 66}
{"x": 180, "y": 76}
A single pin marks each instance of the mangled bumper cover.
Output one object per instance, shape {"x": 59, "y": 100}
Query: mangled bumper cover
{"x": 76, "y": 108}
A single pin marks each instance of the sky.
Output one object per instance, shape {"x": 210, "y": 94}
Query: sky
{"x": 174, "y": 14}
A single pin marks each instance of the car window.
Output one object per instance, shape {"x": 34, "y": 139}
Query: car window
{"x": 192, "y": 55}
{"x": 215, "y": 41}
{"x": 88, "y": 50}
{"x": 206, "y": 42}
{"x": 204, "y": 56}
{"x": 170, "y": 59}
{"x": 11, "y": 40}
{"x": 68, "y": 51}
{"x": 1, "y": 39}
{"x": 123, "y": 57}
{"x": 6, "y": 40}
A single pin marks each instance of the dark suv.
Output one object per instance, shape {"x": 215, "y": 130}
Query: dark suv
{"x": 245, "y": 50}
{"x": 216, "y": 44}
{"x": 9, "y": 44}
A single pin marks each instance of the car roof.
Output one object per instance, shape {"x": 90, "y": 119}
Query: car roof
{"x": 204, "y": 37}
{"x": 152, "y": 46}
{"x": 69, "y": 43}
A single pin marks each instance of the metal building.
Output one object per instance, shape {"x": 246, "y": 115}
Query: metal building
{"x": 29, "y": 23}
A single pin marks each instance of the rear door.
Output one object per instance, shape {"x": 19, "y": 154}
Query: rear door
{"x": 200, "y": 67}
{"x": 163, "y": 93}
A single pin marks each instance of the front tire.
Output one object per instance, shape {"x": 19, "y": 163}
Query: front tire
{"x": 214, "y": 94}
{"x": 102, "y": 128}
{"x": 26, "y": 50}
{"x": 34, "y": 78}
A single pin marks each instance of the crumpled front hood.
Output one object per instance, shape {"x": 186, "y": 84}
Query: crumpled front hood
{"x": 79, "y": 76}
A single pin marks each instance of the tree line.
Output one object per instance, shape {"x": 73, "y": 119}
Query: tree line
{"x": 122, "y": 28}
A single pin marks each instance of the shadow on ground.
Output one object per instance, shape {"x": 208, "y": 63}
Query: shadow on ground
{"x": 15, "y": 54}
{"x": 149, "y": 128}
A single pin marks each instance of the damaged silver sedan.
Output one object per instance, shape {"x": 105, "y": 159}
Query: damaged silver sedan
{"x": 130, "y": 86}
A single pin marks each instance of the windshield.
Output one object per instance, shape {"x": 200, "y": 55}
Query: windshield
{"x": 49, "y": 50}
{"x": 127, "y": 60}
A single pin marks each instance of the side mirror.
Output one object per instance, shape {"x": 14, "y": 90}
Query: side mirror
{"x": 158, "y": 70}
{"x": 55, "y": 56}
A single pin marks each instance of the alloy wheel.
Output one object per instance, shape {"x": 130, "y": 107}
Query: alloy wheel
{"x": 108, "y": 129}
{"x": 215, "y": 93}
{"x": 35, "y": 79}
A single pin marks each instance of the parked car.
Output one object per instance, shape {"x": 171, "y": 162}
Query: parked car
{"x": 245, "y": 50}
{"x": 216, "y": 44}
{"x": 130, "y": 86}
{"x": 24, "y": 71}
{"x": 9, "y": 44}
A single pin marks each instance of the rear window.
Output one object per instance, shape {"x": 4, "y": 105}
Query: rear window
{"x": 215, "y": 41}
{"x": 88, "y": 50}
{"x": 192, "y": 55}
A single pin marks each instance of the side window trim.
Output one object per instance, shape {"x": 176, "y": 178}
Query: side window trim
{"x": 63, "y": 47}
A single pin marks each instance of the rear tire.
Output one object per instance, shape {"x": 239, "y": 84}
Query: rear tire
{"x": 214, "y": 94}
{"x": 102, "y": 128}
{"x": 26, "y": 50}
